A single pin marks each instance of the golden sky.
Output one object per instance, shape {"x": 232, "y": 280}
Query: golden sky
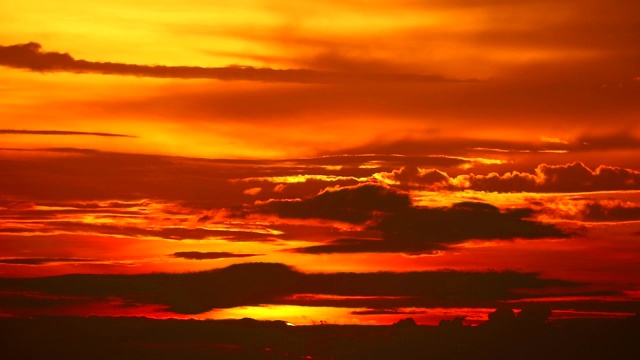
{"x": 325, "y": 140}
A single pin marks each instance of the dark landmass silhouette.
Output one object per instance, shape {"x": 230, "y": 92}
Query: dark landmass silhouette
{"x": 253, "y": 284}
{"x": 505, "y": 336}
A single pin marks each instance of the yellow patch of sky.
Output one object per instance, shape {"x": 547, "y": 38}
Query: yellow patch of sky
{"x": 297, "y": 315}
{"x": 125, "y": 31}
{"x": 143, "y": 32}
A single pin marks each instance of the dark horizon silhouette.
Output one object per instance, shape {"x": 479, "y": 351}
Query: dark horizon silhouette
{"x": 505, "y": 335}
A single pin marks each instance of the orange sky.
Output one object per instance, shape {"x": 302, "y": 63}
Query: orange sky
{"x": 332, "y": 137}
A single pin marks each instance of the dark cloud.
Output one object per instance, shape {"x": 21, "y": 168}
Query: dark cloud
{"x": 266, "y": 283}
{"x": 353, "y": 205}
{"x": 421, "y": 231}
{"x": 386, "y": 312}
{"x": 405, "y": 228}
{"x": 574, "y": 177}
{"x": 60, "y": 132}
{"x": 595, "y": 211}
{"x": 197, "y": 255}
{"x": 31, "y": 57}
{"x": 598, "y": 211}
{"x": 42, "y": 260}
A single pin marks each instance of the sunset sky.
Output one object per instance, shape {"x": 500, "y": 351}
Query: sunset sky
{"x": 342, "y": 161}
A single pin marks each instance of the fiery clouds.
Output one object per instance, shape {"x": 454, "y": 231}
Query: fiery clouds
{"x": 330, "y": 141}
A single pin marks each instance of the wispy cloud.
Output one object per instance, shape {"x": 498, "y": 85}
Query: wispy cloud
{"x": 198, "y": 255}
{"x": 620, "y": 140}
{"x": 60, "y": 132}
{"x": 42, "y": 260}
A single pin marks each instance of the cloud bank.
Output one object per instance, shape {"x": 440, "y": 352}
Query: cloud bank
{"x": 273, "y": 283}
{"x": 574, "y": 177}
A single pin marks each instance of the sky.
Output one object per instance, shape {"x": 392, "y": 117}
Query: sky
{"x": 351, "y": 162}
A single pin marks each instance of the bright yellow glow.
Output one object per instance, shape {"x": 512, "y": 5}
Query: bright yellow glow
{"x": 297, "y": 315}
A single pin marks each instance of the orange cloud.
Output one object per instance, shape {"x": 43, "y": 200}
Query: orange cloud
{"x": 252, "y": 191}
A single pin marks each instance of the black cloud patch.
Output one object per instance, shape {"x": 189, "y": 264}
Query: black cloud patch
{"x": 197, "y": 255}
{"x": 599, "y": 211}
{"x": 404, "y": 227}
{"x": 385, "y": 312}
{"x": 272, "y": 283}
{"x": 353, "y": 204}
{"x": 595, "y": 212}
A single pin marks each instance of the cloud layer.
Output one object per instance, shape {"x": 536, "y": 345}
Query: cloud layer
{"x": 31, "y": 57}
{"x": 270, "y": 283}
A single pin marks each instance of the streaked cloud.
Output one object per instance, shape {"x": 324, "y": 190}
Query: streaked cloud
{"x": 42, "y": 260}
{"x": 59, "y": 132}
{"x": 31, "y": 57}
{"x": 198, "y": 255}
